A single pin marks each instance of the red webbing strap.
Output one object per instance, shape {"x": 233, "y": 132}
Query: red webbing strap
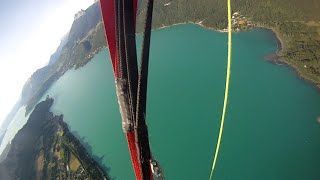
{"x": 134, "y": 154}
{"x": 108, "y": 18}
{"x": 109, "y": 21}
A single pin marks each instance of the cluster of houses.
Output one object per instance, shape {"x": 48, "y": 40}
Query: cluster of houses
{"x": 240, "y": 22}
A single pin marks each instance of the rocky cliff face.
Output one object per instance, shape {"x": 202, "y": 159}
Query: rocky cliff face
{"x": 84, "y": 23}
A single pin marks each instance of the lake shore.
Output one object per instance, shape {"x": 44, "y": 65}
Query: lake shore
{"x": 190, "y": 22}
{"x": 278, "y": 59}
{"x": 275, "y": 58}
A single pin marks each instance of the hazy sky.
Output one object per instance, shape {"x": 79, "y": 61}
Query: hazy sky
{"x": 30, "y": 32}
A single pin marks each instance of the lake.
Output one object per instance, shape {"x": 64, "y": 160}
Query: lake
{"x": 271, "y": 129}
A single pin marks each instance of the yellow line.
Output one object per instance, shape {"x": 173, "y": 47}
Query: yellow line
{"x": 226, "y": 90}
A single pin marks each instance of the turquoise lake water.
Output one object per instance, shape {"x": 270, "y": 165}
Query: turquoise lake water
{"x": 271, "y": 131}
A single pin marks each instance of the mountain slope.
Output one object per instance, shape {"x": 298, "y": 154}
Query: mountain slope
{"x": 73, "y": 53}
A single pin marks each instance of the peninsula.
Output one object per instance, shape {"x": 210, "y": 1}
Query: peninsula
{"x": 45, "y": 149}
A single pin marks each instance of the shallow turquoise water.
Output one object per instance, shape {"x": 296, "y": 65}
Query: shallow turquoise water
{"x": 271, "y": 130}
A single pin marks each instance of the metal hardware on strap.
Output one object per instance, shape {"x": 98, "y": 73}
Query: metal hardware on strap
{"x": 156, "y": 169}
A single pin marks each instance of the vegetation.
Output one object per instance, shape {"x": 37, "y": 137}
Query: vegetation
{"x": 297, "y": 24}
{"x": 45, "y": 149}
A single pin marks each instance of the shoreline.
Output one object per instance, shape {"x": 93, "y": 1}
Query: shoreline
{"x": 275, "y": 57}
{"x": 279, "y": 41}
{"x": 190, "y": 22}
{"x": 279, "y": 60}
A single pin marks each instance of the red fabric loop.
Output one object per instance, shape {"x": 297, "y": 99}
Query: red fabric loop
{"x": 134, "y": 154}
